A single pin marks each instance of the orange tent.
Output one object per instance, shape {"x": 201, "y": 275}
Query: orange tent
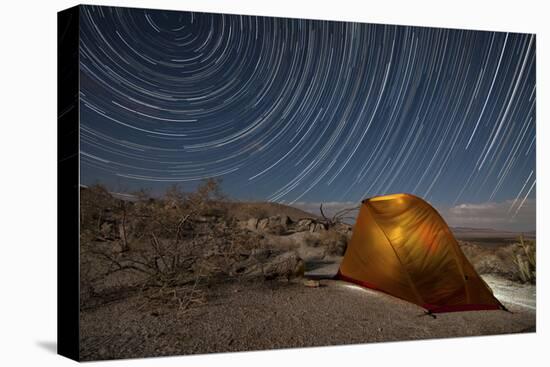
{"x": 401, "y": 246}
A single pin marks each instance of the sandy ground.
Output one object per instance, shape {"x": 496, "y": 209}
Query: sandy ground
{"x": 246, "y": 315}
{"x": 513, "y": 295}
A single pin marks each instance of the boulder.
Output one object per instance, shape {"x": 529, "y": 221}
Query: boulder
{"x": 311, "y": 283}
{"x": 287, "y": 265}
{"x": 270, "y": 264}
{"x": 251, "y": 224}
{"x": 278, "y": 224}
{"x": 263, "y": 223}
{"x": 317, "y": 227}
{"x": 310, "y": 225}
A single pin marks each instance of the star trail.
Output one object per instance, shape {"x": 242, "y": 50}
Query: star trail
{"x": 293, "y": 110}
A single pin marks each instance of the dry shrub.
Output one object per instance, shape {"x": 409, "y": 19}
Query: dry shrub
{"x": 168, "y": 249}
{"x": 514, "y": 261}
{"x": 334, "y": 242}
{"x": 155, "y": 242}
{"x": 526, "y": 261}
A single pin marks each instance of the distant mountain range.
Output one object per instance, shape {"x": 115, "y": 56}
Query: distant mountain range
{"x": 469, "y": 233}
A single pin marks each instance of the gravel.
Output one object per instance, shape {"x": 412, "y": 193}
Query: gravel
{"x": 256, "y": 315}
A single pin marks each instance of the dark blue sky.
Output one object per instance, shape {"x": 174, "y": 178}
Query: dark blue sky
{"x": 307, "y": 111}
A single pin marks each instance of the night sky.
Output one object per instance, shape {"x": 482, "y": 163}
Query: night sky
{"x": 307, "y": 111}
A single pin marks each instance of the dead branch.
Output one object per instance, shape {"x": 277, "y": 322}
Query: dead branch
{"x": 337, "y": 218}
{"x": 128, "y": 265}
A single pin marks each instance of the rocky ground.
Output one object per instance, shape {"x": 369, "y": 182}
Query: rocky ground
{"x": 222, "y": 282}
{"x": 244, "y": 316}
{"x": 249, "y": 313}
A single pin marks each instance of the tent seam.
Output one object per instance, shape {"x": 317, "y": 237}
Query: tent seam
{"x": 455, "y": 253}
{"x": 409, "y": 279}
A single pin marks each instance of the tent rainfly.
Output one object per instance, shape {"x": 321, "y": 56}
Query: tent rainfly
{"x": 401, "y": 246}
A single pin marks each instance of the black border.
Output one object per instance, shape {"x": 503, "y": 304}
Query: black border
{"x": 68, "y": 304}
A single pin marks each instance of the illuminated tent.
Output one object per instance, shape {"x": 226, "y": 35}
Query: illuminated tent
{"x": 401, "y": 246}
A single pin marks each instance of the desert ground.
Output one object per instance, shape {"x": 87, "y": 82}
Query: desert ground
{"x": 244, "y": 316}
{"x": 237, "y": 279}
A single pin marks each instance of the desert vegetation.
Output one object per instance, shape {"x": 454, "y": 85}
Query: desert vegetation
{"x": 515, "y": 261}
{"x": 195, "y": 272}
{"x": 167, "y": 249}
{"x": 526, "y": 262}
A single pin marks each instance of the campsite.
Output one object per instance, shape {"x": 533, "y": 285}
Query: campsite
{"x": 251, "y": 182}
{"x": 194, "y": 273}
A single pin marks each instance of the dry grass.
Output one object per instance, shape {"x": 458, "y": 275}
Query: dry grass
{"x": 515, "y": 261}
{"x": 527, "y": 262}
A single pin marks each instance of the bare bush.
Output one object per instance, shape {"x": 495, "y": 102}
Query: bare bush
{"x": 337, "y": 218}
{"x": 168, "y": 248}
{"x": 159, "y": 240}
